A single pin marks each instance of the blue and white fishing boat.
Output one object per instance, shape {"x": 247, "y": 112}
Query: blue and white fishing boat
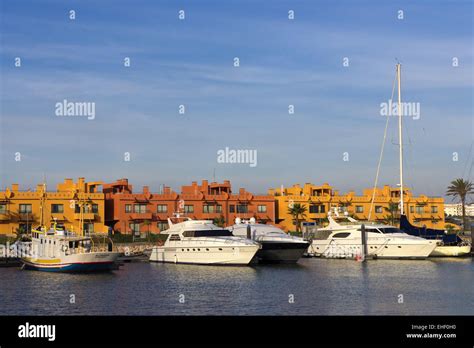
{"x": 58, "y": 250}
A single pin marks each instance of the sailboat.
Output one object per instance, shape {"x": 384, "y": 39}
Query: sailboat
{"x": 447, "y": 245}
{"x": 55, "y": 249}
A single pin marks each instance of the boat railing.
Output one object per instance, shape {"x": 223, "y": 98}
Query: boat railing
{"x": 203, "y": 240}
{"x": 279, "y": 238}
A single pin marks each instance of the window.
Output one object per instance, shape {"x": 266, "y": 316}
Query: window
{"x": 314, "y": 209}
{"x": 25, "y": 228}
{"x": 3, "y": 208}
{"x": 419, "y": 209}
{"x": 359, "y": 209}
{"x": 88, "y": 228}
{"x": 242, "y": 208}
{"x": 218, "y": 208}
{"x": 162, "y": 225}
{"x": 208, "y": 233}
{"x": 208, "y": 208}
{"x": 342, "y": 235}
{"x": 322, "y": 208}
{"x": 161, "y": 208}
{"x": 25, "y": 208}
{"x": 175, "y": 237}
{"x": 128, "y": 208}
{"x": 88, "y": 208}
{"x": 57, "y": 208}
{"x": 189, "y": 208}
{"x": 139, "y": 208}
{"x": 135, "y": 227}
{"x": 232, "y": 208}
{"x": 434, "y": 209}
{"x": 378, "y": 209}
{"x": 262, "y": 208}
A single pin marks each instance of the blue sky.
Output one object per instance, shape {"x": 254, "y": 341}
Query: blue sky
{"x": 190, "y": 62}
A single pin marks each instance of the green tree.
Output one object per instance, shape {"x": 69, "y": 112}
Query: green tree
{"x": 461, "y": 189}
{"x": 219, "y": 221}
{"x": 147, "y": 223}
{"x": 393, "y": 216}
{"x": 449, "y": 229}
{"x": 298, "y": 212}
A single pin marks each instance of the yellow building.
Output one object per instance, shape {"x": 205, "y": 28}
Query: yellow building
{"x": 318, "y": 200}
{"x": 21, "y": 210}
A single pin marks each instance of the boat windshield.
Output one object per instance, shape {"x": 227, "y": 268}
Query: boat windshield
{"x": 207, "y": 233}
{"x": 390, "y": 230}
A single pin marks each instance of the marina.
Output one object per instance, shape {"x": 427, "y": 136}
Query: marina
{"x": 435, "y": 286}
{"x": 228, "y": 172}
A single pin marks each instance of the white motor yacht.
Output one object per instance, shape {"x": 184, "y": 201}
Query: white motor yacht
{"x": 277, "y": 246}
{"x": 339, "y": 240}
{"x": 202, "y": 242}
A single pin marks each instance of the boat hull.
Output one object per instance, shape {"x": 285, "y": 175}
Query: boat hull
{"x": 451, "y": 251}
{"x": 281, "y": 252}
{"x": 375, "y": 250}
{"x": 78, "y": 263}
{"x": 225, "y": 255}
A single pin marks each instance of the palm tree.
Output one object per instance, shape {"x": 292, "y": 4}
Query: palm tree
{"x": 147, "y": 223}
{"x": 298, "y": 212}
{"x": 393, "y": 213}
{"x": 219, "y": 221}
{"x": 461, "y": 188}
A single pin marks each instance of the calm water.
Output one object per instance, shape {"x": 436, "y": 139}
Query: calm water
{"x": 320, "y": 287}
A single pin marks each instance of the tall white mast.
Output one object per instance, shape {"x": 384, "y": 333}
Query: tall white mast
{"x": 400, "y": 138}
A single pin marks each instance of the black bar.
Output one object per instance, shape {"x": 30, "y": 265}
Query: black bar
{"x": 222, "y": 330}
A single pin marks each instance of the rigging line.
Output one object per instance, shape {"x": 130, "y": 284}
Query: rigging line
{"x": 470, "y": 170}
{"x": 381, "y": 153}
{"x": 408, "y": 159}
{"x": 467, "y": 162}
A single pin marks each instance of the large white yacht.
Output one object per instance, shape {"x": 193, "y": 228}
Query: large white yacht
{"x": 202, "y": 242}
{"x": 344, "y": 240}
{"x": 277, "y": 246}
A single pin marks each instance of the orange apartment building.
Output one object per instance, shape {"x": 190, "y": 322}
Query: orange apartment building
{"x": 20, "y": 210}
{"x": 128, "y": 212}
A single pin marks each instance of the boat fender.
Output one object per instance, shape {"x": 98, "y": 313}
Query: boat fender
{"x": 175, "y": 259}
{"x": 65, "y": 248}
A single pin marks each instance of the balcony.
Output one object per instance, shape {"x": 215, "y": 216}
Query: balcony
{"x": 245, "y": 215}
{"x": 211, "y": 215}
{"x": 141, "y": 216}
{"x": 85, "y": 216}
{"x": 58, "y": 216}
{"x": 26, "y": 217}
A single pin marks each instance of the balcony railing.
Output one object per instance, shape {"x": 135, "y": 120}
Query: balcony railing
{"x": 247, "y": 215}
{"x": 25, "y": 216}
{"x": 141, "y": 216}
{"x": 85, "y": 216}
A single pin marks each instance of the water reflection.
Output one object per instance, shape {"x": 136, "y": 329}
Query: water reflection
{"x": 311, "y": 287}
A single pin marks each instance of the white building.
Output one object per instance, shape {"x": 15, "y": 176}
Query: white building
{"x": 456, "y": 209}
